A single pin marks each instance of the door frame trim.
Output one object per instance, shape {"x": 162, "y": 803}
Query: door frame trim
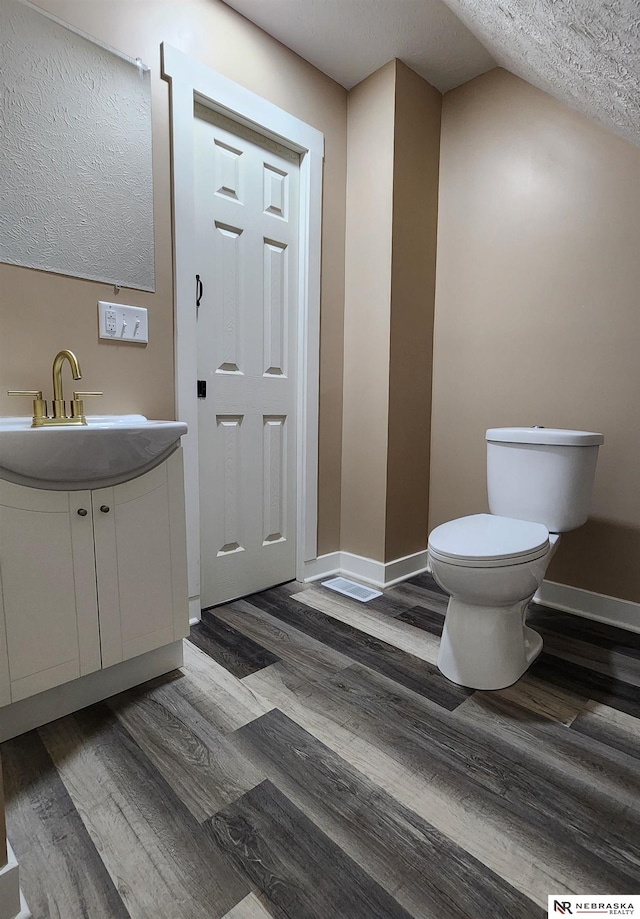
{"x": 190, "y": 80}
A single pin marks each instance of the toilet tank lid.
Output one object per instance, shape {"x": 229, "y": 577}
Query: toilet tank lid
{"x": 542, "y": 435}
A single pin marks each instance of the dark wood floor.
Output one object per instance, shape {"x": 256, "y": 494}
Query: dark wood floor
{"x": 310, "y": 762}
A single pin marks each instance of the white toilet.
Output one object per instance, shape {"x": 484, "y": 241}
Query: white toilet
{"x": 539, "y": 483}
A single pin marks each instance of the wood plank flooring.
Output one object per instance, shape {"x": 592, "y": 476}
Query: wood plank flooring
{"x": 311, "y": 762}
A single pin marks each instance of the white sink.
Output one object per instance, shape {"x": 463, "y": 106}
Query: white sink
{"x": 108, "y": 450}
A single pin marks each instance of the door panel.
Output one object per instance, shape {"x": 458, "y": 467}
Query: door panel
{"x": 230, "y": 259}
{"x": 135, "y": 535}
{"x": 274, "y": 487}
{"x": 276, "y": 257}
{"x": 247, "y": 231}
{"x": 48, "y": 611}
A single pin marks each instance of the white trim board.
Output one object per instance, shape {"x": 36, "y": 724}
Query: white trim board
{"x": 190, "y": 80}
{"x": 194, "y": 610}
{"x": 12, "y": 902}
{"x": 612, "y": 610}
{"x": 367, "y": 570}
{"x": 322, "y": 567}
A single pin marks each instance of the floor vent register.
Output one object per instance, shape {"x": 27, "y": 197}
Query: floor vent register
{"x": 351, "y": 589}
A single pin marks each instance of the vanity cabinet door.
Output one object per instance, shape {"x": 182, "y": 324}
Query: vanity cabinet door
{"x": 48, "y": 610}
{"x": 140, "y": 549}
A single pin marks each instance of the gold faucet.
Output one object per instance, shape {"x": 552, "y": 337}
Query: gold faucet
{"x": 76, "y": 406}
{"x": 76, "y": 373}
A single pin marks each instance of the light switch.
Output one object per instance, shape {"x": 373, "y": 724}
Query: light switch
{"x": 122, "y": 323}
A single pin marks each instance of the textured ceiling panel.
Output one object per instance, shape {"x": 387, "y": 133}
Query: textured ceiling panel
{"x": 349, "y": 39}
{"x": 586, "y": 53}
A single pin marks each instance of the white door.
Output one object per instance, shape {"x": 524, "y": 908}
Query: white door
{"x": 246, "y": 197}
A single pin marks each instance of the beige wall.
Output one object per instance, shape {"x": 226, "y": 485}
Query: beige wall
{"x": 41, "y": 313}
{"x": 3, "y": 827}
{"x": 537, "y": 287}
{"x": 392, "y": 188}
{"x": 538, "y": 280}
{"x": 413, "y": 267}
{"x": 367, "y": 313}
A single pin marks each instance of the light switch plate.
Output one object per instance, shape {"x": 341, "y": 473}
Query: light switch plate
{"x": 122, "y": 323}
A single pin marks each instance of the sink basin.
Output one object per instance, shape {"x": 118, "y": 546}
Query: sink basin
{"x": 110, "y": 449}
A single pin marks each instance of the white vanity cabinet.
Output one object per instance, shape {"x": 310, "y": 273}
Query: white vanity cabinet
{"x": 89, "y": 579}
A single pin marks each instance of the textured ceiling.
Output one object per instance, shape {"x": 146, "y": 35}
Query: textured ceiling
{"x": 349, "y": 39}
{"x": 586, "y": 53}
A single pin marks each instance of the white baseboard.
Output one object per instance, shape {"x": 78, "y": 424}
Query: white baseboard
{"x": 322, "y": 567}
{"x": 362, "y": 569}
{"x": 12, "y": 903}
{"x": 44, "y": 707}
{"x": 402, "y": 568}
{"x": 621, "y": 613}
{"x": 367, "y": 570}
{"x": 195, "y": 613}
{"x": 25, "y": 912}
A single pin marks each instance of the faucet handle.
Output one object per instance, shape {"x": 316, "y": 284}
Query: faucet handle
{"x": 39, "y": 404}
{"x": 77, "y": 405}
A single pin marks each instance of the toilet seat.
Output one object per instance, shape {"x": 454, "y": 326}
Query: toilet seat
{"x": 488, "y": 541}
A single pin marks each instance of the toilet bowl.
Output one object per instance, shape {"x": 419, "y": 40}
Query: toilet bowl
{"x": 491, "y": 566}
{"x": 539, "y": 485}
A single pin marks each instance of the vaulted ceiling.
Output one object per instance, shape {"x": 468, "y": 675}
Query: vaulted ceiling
{"x": 586, "y": 53}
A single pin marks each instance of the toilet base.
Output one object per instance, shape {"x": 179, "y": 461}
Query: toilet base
{"x": 486, "y": 647}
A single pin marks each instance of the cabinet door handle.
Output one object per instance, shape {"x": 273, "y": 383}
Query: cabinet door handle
{"x": 104, "y": 508}
{"x": 82, "y": 512}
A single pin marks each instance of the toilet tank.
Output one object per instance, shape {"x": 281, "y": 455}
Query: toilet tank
{"x": 542, "y": 474}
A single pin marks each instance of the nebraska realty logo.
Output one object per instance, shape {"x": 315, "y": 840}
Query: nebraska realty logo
{"x": 593, "y": 904}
